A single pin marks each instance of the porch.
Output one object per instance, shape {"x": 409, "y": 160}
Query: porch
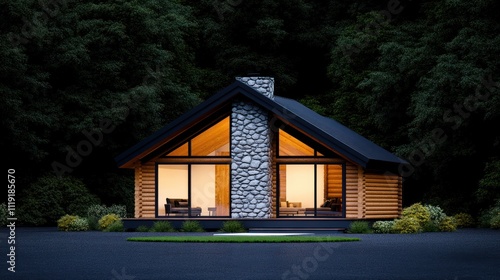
{"x": 253, "y": 225}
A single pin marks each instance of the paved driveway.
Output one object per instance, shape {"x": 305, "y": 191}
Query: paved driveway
{"x": 45, "y": 253}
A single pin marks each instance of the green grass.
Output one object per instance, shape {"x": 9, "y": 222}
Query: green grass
{"x": 242, "y": 239}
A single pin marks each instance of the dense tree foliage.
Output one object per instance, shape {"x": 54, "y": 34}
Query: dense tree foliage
{"x": 81, "y": 81}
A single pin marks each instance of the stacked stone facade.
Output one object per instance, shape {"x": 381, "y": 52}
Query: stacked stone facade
{"x": 251, "y": 182}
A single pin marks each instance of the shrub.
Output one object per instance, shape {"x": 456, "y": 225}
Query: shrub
{"x": 407, "y": 224}
{"x": 359, "y": 227}
{"x": 119, "y": 210}
{"x": 107, "y": 220}
{"x": 65, "y": 221}
{"x": 192, "y": 226}
{"x": 232, "y": 227}
{"x": 142, "y": 229}
{"x": 96, "y": 211}
{"x": 383, "y": 226}
{"x": 464, "y": 220}
{"x": 436, "y": 213}
{"x": 79, "y": 224}
{"x": 430, "y": 226}
{"x": 3, "y": 214}
{"x": 116, "y": 226}
{"x": 51, "y": 197}
{"x": 490, "y": 217}
{"x": 495, "y": 222}
{"x": 162, "y": 226}
{"x": 419, "y": 212}
{"x": 447, "y": 224}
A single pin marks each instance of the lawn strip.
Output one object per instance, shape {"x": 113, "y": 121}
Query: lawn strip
{"x": 243, "y": 239}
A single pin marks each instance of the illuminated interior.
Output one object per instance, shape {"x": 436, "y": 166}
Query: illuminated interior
{"x": 209, "y": 184}
{"x": 212, "y": 142}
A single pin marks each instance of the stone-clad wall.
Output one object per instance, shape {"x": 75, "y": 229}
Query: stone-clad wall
{"x": 251, "y": 182}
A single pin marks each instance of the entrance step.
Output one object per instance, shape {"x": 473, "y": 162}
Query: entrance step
{"x": 298, "y": 230}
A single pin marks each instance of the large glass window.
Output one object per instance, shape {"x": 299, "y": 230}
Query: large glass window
{"x": 193, "y": 183}
{"x": 214, "y": 141}
{"x": 172, "y": 185}
{"x": 209, "y": 185}
{"x": 210, "y": 188}
{"x": 310, "y": 190}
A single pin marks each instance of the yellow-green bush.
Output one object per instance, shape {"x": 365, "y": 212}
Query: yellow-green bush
{"x": 447, "y": 224}
{"x": 107, "y": 220}
{"x": 418, "y": 212}
{"x": 464, "y": 220}
{"x": 407, "y": 224}
{"x": 65, "y": 222}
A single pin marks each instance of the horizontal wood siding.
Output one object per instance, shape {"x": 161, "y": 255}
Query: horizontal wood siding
{"x": 333, "y": 181}
{"x": 138, "y": 191}
{"x": 351, "y": 192}
{"x": 148, "y": 190}
{"x": 383, "y": 196}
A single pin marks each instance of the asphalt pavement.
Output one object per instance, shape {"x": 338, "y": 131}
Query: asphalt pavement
{"x": 45, "y": 253}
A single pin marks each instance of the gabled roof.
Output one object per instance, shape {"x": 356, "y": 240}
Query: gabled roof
{"x": 329, "y": 132}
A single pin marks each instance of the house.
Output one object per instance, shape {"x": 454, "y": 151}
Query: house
{"x": 249, "y": 155}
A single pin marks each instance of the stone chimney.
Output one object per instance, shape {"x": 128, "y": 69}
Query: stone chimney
{"x": 251, "y": 176}
{"x": 264, "y": 85}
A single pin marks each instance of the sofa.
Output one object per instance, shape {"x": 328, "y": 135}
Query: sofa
{"x": 331, "y": 207}
{"x": 288, "y": 208}
{"x": 180, "y": 206}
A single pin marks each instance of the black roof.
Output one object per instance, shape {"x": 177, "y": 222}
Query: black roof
{"x": 330, "y": 132}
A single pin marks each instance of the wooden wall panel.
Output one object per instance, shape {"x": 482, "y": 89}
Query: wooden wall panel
{"x": 148, "y": 190}
{"x": 222, "y": 189}
{"x": 138, "y": 191}
{"x": 333, "y": 180}
{"x": 383, "y": 196}
{"x": 352, "y": 187}
{"x": 274, "y": 192}
{"x": 283, "y": 182}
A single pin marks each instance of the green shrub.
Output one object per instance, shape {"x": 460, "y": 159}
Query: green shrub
{"x": 107, "y": 220}
{"x": 3, "y": 214}
{"x": 464, "y": 220}
{"x": 119, "y": 210}
{"x": 436, "y": 213}
{"x": 359, "y": 227}
{"x": 447, "y": 224}
{"x": 79, "y": 224}
{"x": 383, "y": 226}
{"x": 162, "y": 226}
{"x": 51, "y": 197}
{"x": 495, "y": 222}
{"x": 431, "y": 226}
{"x": 142, "y": 229}
{"x": 418, "y": 212}
{"x": 407, "y": 224}
{"x": 490, "y": 217}
{"x": 93, "y": 223}
{"x": 192, "y": 226}
{"x": 96, "y": 211}
{"x": 232, "y": 227}
{"x": 116, "y": 226}
{"x": 65, "y": 221}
